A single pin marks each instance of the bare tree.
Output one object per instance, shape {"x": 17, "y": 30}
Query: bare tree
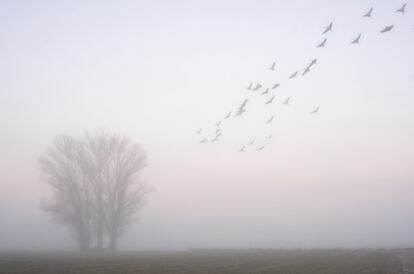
{"x": 113, "y": 163}
{"x": 71, "y": 203}
{"x": 96, "y": 186}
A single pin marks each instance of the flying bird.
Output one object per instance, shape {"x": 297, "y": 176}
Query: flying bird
{"x": 315, "y": 111}
{"x": 387, "y": 29}
{"x": 242, "y": 148}
{"x": 328, "y": 28}
{"x": 313, "y": 62}
{"x": 287, "y": 101}
{"x": 250, "y": 87}
{"x": 252, "y": 142}
{"x": 307, "y": 70}
{"x": 270, "y": 100}
{"x": 228, "y": 115}
{"x": 369, "y": 13}
{"x": 214, "y": 140}
{"x": 273, "y": 66}
{"x": 402, "y": 9}
{"x": 218, "y": 131}
{"x": 203, "y": 141}
{"x": 218, "y": 124}
{"x": 241, "y": 109}
{"x": 322, "y": 44}
{"x": 276, "y": 86}
{"x": 356, "y": 40}
{"x": 265, "y": 92}
{"x": 199, "y": 131}
{"x": 257, "y": 87}
{"x": 270, "y": 120}
{"x": 244, "y": 103}
{"x": 294, "y": 75}
{"x": 240, "y": 112}
{"x": 269, "y": 137}
{"x": 260, "y": 148}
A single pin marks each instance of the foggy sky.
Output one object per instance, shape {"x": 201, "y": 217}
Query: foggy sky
{"x": 157, "y": 71}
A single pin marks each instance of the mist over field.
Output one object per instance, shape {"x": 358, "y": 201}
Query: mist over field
{"x": 158, "y": 71}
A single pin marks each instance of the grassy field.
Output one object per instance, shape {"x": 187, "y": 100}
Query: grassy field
{"x": 208, "y": 261}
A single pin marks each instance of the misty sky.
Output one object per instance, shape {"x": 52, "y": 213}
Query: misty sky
{"x": 157, "y": 71}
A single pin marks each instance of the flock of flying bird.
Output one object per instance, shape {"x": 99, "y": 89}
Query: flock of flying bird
{"x": 259, "y": 87}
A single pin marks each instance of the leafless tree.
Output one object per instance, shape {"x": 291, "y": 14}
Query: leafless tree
{"x": 71, "y": 202}
{"x": 96, "y": 189}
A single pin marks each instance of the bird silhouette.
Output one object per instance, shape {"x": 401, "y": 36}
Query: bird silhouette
{"x": 265, "y": 92}
{"x": 293, "y": 75}
{"x": 269, "y": 137}
{"x": 203, "y": 141}
{"x": 252, "y": 142}
{"x": 199, "y": 131}
{"x": 250, "y": 87}
{"x": 356, "y": 40}
{"x": 402, "y": 9}
{"x": 328, "y": 28}
{"x": 322, "y": 44}
{"x": 287, "y": 101}
{"x": 316, "y": 110}
{"x": 276, "y": 85}
{"x": 218, "y": 124}
{"x": 260, "y": 148}
{"x": 307, "y": 70}
{"x": 214, "y": 140}
{"x": 242, "y": 148}
{"x": 387, "y": 28}
{"x": 273, "y": 66}
{"x": 270, "y": 120}
{"x": 218, "y": 131}
{"x": 270, "y": 100}
{"x": 241, "y": 109}
{"x": 369, "y": 13}
{"x": 240, "y": 112}
{"x": 244, "y": 103}
{"x": 313, "y": 62}
{"x": 257, "y": 87}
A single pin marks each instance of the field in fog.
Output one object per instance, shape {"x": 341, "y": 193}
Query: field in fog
{"x": 198, "y": 137}
{"x": 209, "y": 261}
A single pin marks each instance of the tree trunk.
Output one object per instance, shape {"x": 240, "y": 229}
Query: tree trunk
{"x": 113, "y": 241}
{"x": 84, "y": 244}
{"x": 100, "y": 213}
{"x": 100, "y": 230}
{"x": 83, "y": 238}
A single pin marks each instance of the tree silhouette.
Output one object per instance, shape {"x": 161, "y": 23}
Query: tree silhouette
{"x": 95, "y": 184}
